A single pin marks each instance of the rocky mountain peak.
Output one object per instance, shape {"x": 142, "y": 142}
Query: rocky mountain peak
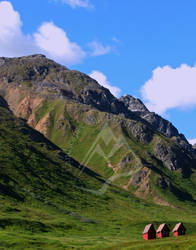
{"x": 133, "y": 104}
{"x": 158, "y": 123}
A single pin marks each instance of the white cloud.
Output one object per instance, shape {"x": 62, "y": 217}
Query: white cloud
{"x": 12, "y": 40}
{"x": 192, "y": 141}
{"x": 55, "y": 43}
{"x": 49, "y": 39}
{"x": 10, "y": 22}
{"x": 78, "y": 3}
{"x": 98, "y": 49}
{"x": 170, "y": 88}
{"x": 102, "y": 80}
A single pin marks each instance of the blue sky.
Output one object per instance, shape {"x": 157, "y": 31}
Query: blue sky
{"x": 145, "y": 48}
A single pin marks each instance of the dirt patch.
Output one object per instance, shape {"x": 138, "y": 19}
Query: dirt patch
{"x": 42, "y": 125}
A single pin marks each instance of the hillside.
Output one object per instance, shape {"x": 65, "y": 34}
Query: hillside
{"x": 41, "y": 190}
{"x": 80, "y": 168}
{"x": 33, "y": 168}
{"x": 44, "y": 202}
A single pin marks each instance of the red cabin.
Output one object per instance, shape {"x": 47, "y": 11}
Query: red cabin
{"x": 163, "y": 231}
{"x": 179, "y": 229}
{"x": 149, "y": 232}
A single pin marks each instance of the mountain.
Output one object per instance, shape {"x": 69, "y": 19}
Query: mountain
{"x": 78, "y": 169}
{"x": 160, "y": 124}
{"x": 42, "y": 192}
{"x": 47, "y": 78}
{"x": 98, "y": 130}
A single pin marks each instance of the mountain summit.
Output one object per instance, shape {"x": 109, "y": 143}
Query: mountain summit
{"x": 160, "y": 124}
{"x": 74, "y": 111}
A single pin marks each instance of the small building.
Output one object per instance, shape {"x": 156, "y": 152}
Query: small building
{"x": 179, "y": 229}
{"x": 163, "y": 231}
{"x": 149, "y": 232}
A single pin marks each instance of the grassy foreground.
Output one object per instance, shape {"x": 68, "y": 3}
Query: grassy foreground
{"x": 41, "y": 242}
{"x": 117, "y": 224}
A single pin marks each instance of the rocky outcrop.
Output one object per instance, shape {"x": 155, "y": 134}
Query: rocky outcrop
{"x": 160, "y": 124}
{"x": 133, "y": 104}
{"x": 173, "y": 157}
{"x": 140, "y": 131}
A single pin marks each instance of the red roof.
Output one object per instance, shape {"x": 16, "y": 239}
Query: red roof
{"x": 147, "y": 228}
{"x": 161, "y": 227}
{"x": 177, "y": 226}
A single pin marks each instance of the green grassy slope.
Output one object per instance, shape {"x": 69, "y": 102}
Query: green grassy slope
{"x": 182, "y": 243}
{"x": 77, "y": 129}
{"x": 43, "y": 203}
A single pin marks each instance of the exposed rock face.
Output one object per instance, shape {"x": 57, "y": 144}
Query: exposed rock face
{"x": 133, "y": 104}
{"x": 140, "y": 176}
{"x": 140, "y": 131}
{"x": 173, "y": 157}
{"x": 158, "y": 123}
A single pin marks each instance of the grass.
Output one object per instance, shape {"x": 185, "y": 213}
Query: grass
{"x": 58, "y": 230}
{"x": 44, "y": 203}
{"x": 185, "y": 242}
